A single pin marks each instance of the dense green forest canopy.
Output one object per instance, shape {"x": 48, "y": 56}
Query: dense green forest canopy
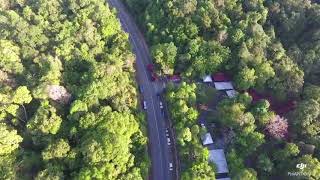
{"x": 263, "y": 44}
{"x": 271, "y": 46}
{"x": 67, "y": 93}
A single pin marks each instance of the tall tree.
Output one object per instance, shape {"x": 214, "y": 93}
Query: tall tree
{"x": 165, "y": 55}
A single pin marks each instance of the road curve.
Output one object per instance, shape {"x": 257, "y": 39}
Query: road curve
{"x": 160, "y": 152}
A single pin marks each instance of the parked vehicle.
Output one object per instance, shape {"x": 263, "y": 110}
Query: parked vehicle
{"x": 154, "y": 76}
{"x": 168, "y": 141}
{"x": 161, "y": 105}
{"x": 160, "y": 102}
{"x": 141, "y": 89}
{"x": 144, "y": 103}
{"x": 150, "y": 67}
{"x": 170, "y": 166}
{"x": 167, "y": 132}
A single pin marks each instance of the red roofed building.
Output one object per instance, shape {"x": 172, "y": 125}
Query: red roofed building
{"x": 221, "y": 77}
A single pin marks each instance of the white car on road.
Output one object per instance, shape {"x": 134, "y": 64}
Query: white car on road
{"x": 168, "y": 141}
{"x": 170, "y": 166}
{"x": 160, "y": 102}
{"x": 161, "y": 105}
{"x": 167, "y": 132}
{"x": 144, "y": 105}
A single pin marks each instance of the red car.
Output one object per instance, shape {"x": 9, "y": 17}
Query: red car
{"x": 154, "y": 76}
{"x": 150, "y": 67}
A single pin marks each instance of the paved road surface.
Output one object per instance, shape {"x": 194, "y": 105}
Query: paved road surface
{"x": 161, "y": 153}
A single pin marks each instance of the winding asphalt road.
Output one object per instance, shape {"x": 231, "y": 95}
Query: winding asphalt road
{"x": 161, "y": 154}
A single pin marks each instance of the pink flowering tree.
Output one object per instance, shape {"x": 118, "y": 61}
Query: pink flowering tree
{"x": 58, "y": 93}
{"x": 277, "y": 127}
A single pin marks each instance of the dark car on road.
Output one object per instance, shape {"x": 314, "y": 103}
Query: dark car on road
{"x": 144, "y": 104}
{"x": 160, "y": 102}
{"x": 141, "y": 89}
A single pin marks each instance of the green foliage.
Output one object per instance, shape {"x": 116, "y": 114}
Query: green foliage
{"x": 21, "y": 96}
{"x": 45, "y": 120}
{"x": 164, "y": 55}
{"x": 13, "y": 101}
{"x": 52, "y": 172}
{"x": 235, "y": 163}
{"x": 298, "y": 32}
{"x": 50, "y": 50}
{"x": 290, "y": 150}
{"x": 262, "y": 113}
{"x": 245, "y": 99}
{"x": 246, "y": 174}
{"x": 9, "y": 143}
{"x": 272, "y": 46}
{"x": 182, "y": 8}
{"x": 9, "y": 140}
{"x": 313, "y": 166}
{"x": 199, "y": 171}
{"x": 289, "y": 78}
{"x": 9, "y": 57}
{"x": 106, "y": 141}
{"x": 58, "y": 149}
{"x": 234, "y": 36}
{"x": 247, "y": 143}
{"x": 182, "y": 101}
{"x": 207, "y": 57}
{"x": 245, "y": 79}
{"x": 78, "y": 106}
{"x": 194, "y": 157}
{"x": 264, "y": 163}
{"x": 231, "y": 113}
{"x": 184, "y": 136}
{"x": 8, "y": 166}
{"x": 312, "y": 92}
{"x": 306, "y": 117}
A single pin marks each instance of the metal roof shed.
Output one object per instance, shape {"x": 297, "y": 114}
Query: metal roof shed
{"x": 207, "y": 79}
{"x": 207, "y": 139}
{"x": 232, "y": 93}
{"x": 218, "y": 157}
{"x": 223, "y": 85}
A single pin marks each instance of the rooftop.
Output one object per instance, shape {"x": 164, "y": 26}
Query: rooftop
{"x": 232, "y": 93}
{"x": 223, "y": 85}
{"x": 207, "y": 79}
{"x": 207, "y": 139}
{"x": 221, "y": 77}
{"x": 218, "y": 157}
